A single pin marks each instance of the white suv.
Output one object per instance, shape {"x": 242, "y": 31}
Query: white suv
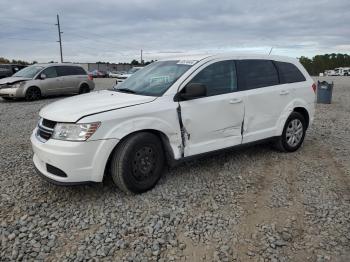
{"x": 169, "y": 111}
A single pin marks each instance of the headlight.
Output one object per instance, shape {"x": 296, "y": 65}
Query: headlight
{"x": 18, "y": 85}
{"x": 74, "y": 132}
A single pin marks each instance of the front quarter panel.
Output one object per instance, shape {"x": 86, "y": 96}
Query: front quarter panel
{"x": 159, "y": 115}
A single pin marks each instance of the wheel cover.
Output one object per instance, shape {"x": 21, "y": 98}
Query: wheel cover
{"x": 84, "y": 90}
{"x": 33, "y": 94}
{"x": 294, "y": 132}
{"x": 144, "y": 163}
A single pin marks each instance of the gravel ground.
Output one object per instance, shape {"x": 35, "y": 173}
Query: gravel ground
{"x": 254, "y": 204}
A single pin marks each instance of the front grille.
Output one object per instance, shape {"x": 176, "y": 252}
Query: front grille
{"x": 45, "y": 129}
{"x": 48, "y": 123}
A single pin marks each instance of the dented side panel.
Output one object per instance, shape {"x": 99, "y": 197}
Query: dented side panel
{"x": 212, "y": 123}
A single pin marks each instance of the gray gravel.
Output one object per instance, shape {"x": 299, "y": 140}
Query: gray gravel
{"x": 254, "y": 204}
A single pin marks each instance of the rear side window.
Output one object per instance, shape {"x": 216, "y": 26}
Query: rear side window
{"x": 76, "y": 70}
{"x": 289, "y": 73}
{"x": 70, "y": 70}
{"x": 256, "y": 74}
{"x": 64, "y": 70}
{"x": 219, "y": 78}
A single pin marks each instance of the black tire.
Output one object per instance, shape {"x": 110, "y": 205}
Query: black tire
{"x": 32, "y": 93}
{"x": 137, "y": 163}
{"x": 84, "y": 89}
{"x": 283, "y": 143}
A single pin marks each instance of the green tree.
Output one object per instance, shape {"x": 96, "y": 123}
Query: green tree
{"x": 320, "y": 63}
{"x": 135, "y": 62}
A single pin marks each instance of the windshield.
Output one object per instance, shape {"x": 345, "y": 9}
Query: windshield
{"x": 28, "y": 72}
{"x": 154, "y": 79}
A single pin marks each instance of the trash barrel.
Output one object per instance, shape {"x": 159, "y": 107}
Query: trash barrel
{"x": 324, "y": 92}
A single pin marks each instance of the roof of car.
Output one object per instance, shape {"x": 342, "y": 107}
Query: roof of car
{"x": 237, "y": 56}
{"x": 56, "y": 64}
{"x": 13, "y": 64}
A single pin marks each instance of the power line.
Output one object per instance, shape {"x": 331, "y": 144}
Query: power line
{"x": 16, "y": 20}
{"x": 26, "y": 39}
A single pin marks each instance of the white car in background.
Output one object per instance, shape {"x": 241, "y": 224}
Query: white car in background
{"x": 121, "y": 77}
{"x": 171, "y": 111}
{"x": 114, "y": 74}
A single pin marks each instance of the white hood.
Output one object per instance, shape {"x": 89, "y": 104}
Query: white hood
{"x": 73, "y": 108}
{"x": 11, "y": 80}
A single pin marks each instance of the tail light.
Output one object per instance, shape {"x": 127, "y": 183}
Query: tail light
{"x": 314, "y": 87}
{"x": 90, "y": 77}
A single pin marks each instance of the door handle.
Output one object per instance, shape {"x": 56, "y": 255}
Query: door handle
{"x": 284, "y": 92}
{"x": 235, "y": 101}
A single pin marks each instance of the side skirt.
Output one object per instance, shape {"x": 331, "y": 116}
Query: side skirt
{"x": 175, "y": 162}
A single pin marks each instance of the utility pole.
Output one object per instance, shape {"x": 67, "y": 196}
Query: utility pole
{"x": 141, "y": 57}
{"x": 59, "y": 36}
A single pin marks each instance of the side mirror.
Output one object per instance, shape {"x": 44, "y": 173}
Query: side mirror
{"x": 42, "y": 76}
{"x": 192, "y": 91}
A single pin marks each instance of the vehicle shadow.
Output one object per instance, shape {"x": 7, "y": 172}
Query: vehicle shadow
{"x": 172, "y": 176}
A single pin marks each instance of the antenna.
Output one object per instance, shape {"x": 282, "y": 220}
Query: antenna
{"x": 270, "y": 50}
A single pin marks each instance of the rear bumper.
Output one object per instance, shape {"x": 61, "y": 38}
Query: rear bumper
{"x": 80, "y": 162}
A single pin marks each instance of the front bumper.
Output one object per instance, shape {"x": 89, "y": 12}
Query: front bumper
{"x": 80, "y": 161}
{"x": 11, "y": 92}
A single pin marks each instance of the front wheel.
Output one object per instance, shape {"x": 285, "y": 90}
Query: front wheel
{"x": 33, "y": 93}
{"x": 293, "y": 133}
{"x": 137, "y": 163}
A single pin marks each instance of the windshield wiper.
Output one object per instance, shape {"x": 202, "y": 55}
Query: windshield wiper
{"x": 125, "y": 90}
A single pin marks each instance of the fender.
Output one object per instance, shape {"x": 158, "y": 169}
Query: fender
{"x": 130, "y": 126}
{"x": 287, "y": 111}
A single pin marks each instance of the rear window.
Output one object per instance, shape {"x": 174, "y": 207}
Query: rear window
{"x": 256, "y": 74}
{"x": 289, "y": 73}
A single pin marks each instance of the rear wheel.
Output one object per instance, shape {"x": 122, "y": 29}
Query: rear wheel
{"x": 32, "y": 93}
{"x": 84, "y": 89}
{"x": 137, "y": 163}
{"x": 293, "y": 133}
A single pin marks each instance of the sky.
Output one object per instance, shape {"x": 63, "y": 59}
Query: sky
{"x": 116, "y": 30}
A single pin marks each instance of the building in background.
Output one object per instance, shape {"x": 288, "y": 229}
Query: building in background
{"x": 108, "y": 67}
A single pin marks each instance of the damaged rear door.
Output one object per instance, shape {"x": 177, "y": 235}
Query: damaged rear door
{"x": 214, "y": 121}
{"x": 264, "y": 98}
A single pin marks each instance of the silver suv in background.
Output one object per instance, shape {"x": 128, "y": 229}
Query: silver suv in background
{"x": 39, "y": 80}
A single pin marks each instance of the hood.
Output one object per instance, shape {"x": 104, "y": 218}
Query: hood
{"x": 73, "y": 108}
{"x": 12, "y": 80}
